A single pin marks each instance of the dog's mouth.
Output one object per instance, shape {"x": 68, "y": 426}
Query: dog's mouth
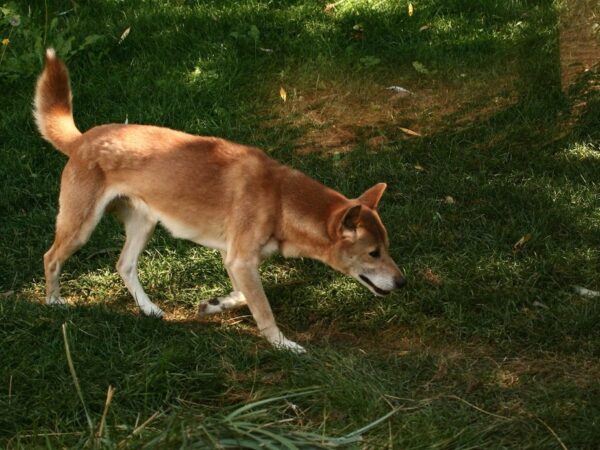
{"x": 374, "y": 288}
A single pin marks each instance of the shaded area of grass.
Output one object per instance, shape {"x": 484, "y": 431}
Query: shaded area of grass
{"x": 188, "y": 373}
{"x": 488, "y": 346}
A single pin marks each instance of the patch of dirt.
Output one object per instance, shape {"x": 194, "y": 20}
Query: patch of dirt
{"x": 336, "y": 117}
{"x": 579, "y": 39}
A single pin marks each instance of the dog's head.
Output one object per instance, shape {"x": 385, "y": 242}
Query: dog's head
{"x": 361, "y": 244}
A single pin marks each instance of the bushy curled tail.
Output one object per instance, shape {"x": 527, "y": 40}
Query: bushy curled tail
{"x": 52, "y": 108}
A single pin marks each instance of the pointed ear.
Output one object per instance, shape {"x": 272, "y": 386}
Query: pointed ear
{"x": 349, "y": 220}
{"x": 372, "y": 195}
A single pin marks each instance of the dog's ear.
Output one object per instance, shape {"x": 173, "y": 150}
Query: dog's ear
{"x": 372, "y": 195}
{"x": 349, "y": 220}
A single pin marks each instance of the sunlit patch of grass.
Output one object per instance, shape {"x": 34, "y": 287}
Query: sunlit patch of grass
{"x": 580, "y": 152}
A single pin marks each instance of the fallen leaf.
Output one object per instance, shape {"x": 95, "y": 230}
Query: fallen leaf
{"x": 124, "y": 35}
{"x": 399, "y": 90}
{"x": 425, "y": 27}
{"x": 521, "y": 242}
{"x": 283, "y": 94}
{"x": 419, "y": 168}
{"x": 449, "y": 200}
{"x": 540, "y": 305}
{"x": 411, "y": 9}
{"x": 409, "y": 131}
{"x": 586, "y": 292}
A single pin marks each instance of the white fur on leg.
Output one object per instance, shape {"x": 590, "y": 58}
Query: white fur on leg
{"x": 219, "y": 304}
{"x": 147, "y": 307}
{"x": 55, "y": 300}
{"x": 279, "y": 341}
{"x": 138, "y": 227}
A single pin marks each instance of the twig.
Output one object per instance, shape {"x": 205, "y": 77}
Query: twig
{"x": 54, "y": 433}
{"x": 138, "y": 429}
{"x": 142, "y": 426}
{"x": 109, "y": 396}
{"x": 481, "y": 410}
{"x": 562, "y": 444}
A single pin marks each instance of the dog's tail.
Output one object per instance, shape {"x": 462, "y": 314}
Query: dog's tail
{"x": 52, "y": 108}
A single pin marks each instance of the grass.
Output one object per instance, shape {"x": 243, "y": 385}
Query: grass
{"x": 488, "y": 347}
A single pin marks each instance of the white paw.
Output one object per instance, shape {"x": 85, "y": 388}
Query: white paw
{"x": 55, "y": 300}
{"x": 152, "y": 310}
{"x": 290, "y": 346}
{"x": 282, "y": 343}
{"x": 219, "y": 304}
{"x": 212, "y": 306}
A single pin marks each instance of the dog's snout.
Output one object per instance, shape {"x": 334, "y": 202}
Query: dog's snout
{"x": 399, "y": 282}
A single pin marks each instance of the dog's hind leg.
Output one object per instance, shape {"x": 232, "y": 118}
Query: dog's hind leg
{"x": 138, "y": 229}
{"x": 219, "y": 304}
{"x": 81, "y": 205}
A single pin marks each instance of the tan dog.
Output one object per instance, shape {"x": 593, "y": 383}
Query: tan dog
{"x": 210, "y": 191}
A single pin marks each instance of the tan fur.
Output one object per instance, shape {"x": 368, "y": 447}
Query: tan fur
{"x": 210, "y": 191}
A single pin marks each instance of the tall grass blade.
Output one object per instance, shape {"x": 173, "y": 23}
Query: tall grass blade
{"x": 75, "y": 380}
{"x": 253, "y": 405}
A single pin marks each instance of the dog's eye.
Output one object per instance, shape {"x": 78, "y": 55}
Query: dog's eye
{"x": 375, "y": 253}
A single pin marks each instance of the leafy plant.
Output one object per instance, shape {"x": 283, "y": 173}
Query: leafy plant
{"x": 23, "y": 41}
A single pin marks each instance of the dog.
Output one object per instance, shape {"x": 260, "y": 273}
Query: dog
{"x": 208, "y": 190}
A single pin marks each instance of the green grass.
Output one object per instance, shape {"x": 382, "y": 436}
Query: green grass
{"x": 496, "y": 352}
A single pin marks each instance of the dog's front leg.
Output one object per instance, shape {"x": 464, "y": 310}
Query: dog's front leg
{"x": 246, "y": 278}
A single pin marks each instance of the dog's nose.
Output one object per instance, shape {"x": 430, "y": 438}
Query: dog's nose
{"x": 400, "y": 282}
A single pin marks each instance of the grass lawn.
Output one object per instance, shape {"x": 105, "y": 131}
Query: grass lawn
{"x": 493, "y": 210}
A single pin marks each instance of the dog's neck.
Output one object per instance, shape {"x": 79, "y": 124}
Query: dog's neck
{"x": 307, "y": 207}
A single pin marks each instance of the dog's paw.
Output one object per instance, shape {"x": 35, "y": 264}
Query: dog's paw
{"x": 212, "y": 306}
{"x": 287, "y": 345}
{"x": 55, "y": 300}
{"x": 152, "y": 310}
{"x": 219, "y": 304}
{"x": 291, "y": 346}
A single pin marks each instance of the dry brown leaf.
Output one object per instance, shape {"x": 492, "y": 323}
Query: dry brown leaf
{"x": 449, "y": 200}
{"x": 283, "y": 94}
{"x": 432, "y": 278}
{"x": 419, "y": 168}
{"x": 521, "y": 242}
{"x": 329, "y": 7}
{"x": 409, "y": 131}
